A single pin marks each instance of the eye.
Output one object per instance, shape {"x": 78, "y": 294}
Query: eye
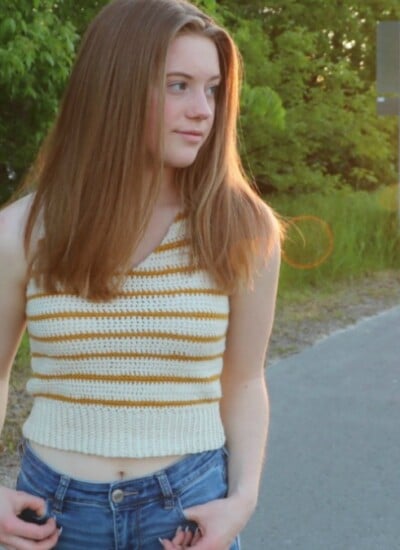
{"x": 177, "y": 86}
{"x": 214, "y": 89}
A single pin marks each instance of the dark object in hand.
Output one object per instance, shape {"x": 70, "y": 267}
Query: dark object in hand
{"x": 30, "y": 516}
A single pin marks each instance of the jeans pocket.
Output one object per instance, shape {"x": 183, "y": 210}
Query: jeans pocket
{"x": 25, "y": 483}
{"x": 209, "y": 485}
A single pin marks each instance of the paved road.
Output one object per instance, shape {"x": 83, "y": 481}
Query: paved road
{"x": 332, "y": 479}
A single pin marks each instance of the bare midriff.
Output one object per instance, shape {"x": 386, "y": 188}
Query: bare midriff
{"x": 95, "y": 468}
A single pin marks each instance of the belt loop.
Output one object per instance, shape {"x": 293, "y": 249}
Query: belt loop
{"x": 166, "y": 490}
{"x": 60, "y": 493}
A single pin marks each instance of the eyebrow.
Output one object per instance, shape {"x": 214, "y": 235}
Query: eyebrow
{"x": 190, "y": 77}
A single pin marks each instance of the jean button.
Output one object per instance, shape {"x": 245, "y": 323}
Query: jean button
{"x": 117, "y": 496}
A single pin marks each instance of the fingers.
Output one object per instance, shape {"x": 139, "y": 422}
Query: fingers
{"x": 196, "y": 536}
{"x": 167, "y": 544}
{"x": 27, "y": 530}
{"x": 40, "y": 537}
{"x": 21, "y": 543}
{"x": 187, "y": 537}
{"x": 183, "y": 539}
{"x": 25, "y": 500}
{"x": 180, "y": 536}
{"x": 18, "y": 534}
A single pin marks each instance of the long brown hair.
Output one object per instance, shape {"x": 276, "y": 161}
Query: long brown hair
{"x": 90, "y": 198}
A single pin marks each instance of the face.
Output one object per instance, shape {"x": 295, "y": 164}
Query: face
{"x": 192, "y": 79}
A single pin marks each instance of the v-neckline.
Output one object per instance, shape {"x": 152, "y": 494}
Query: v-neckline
{"x": 181, "y": 214}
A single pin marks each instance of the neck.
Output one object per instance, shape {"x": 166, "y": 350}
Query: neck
{"x": 169, "y": 194}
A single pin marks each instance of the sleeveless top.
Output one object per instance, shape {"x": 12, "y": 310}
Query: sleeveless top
{"x": 139, "y": 375}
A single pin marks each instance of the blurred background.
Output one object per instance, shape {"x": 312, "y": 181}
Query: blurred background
{"x": 310, "y": 136}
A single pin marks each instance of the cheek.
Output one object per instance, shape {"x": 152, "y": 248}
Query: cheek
{"x": 170, "y": 116}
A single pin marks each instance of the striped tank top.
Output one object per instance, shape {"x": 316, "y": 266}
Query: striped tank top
{"x": 139, "y": 375}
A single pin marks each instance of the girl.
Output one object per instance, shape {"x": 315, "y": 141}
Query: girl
{"x": 145, "y": 268}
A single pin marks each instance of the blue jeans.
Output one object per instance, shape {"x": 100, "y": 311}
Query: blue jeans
{"x": 130, "y": 514}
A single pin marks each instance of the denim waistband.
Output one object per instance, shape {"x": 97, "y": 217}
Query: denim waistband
{"x": 168, "y": 482}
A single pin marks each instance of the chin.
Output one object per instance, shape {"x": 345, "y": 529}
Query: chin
{"x": 180, "y": 162}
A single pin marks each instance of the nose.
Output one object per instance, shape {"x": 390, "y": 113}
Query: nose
{"x": 199, "y": 106}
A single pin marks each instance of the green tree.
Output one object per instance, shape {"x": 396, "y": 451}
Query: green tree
{"x": 322, "y": 56}
{"x": 308, "y": 119}
{"x": 36, "y": 52}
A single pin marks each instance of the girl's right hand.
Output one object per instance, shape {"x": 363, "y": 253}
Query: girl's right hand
{"x": 17, "y": 534}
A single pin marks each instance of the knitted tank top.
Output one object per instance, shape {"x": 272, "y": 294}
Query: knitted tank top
{"x": 137, "y": 376}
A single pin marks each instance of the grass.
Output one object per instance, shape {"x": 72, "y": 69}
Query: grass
{"x": 335, "y": 237}
{"x": 19, "y": 402}
{"x": 21, "y": 361}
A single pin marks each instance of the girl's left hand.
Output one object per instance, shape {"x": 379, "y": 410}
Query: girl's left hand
{"x": 219, "y": 521}
{"x": 182, "y": 539}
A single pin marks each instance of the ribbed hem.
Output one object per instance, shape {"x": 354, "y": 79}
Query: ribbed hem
{"x": 125, "y": 432}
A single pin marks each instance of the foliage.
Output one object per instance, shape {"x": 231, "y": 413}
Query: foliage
{"x": 324, "y": 57}
{"x": 319, "y": 58}
{"x": 36, "y": 52}
{"x": 308, "y": 120}
{"x": 316, "y": 60}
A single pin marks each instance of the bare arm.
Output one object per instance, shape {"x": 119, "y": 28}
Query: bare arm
{"x": 14, "y": 532}
{"x": 244, "y": 411}
{"x": 245, "y": 405}
{"x": 12, "y": 297}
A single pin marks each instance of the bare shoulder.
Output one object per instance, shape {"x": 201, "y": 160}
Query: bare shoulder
{"x": 251, "y": 319}
{"x": 269, "y": 214}
{"x": 13, "y": 279}
{"x": 269, "y": 253}
{"x": 15, "y": 214}
{"x": 12, "y": 225}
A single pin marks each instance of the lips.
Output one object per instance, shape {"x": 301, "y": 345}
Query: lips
{"x": 190, "y": 132}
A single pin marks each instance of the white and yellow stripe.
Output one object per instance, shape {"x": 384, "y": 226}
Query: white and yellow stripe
{"x": 130, "y": 376}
